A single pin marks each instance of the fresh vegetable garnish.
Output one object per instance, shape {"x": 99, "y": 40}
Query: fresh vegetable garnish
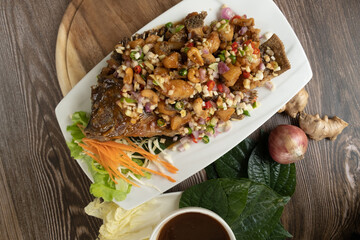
{"x": 234, "y": 46}
{"x": 111, "y": 155}
{"x": 137, "y": 69}
{"x": 235, "y": 17}
{"x": 210, "y": 129}
{"x": 222, "y": 57}
{"x": 220, "y": 87}
{"x": 189, "y": 130}
{"x": 128, "y": 100}
{"x": 161, "y": 122}
{"x": 210, "y": 84}
{"x": 179, "y": 106}
{"x": 132, "y": 55}
{"x": 169, "y": 25}
{"x": 205, "y": 139}
{"x": 208, "y": 105}
{"x": 178, "y": 28}
{"x": 246, "y": 74}
{"x": 246, "y": 113}
{"x": 233, "y": 59}
{"x": 254, "y": 105}
{"x": 183, "y": 72}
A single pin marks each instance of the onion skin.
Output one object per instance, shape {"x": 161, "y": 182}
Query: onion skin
{"x": 287, "y": 144}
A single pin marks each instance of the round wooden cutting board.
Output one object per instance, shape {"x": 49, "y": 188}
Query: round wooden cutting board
{"x": 90, "y": 29}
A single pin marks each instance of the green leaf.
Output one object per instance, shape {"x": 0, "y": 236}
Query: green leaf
{"x": 251, "y": 209}
{"x": 234, "y": 163}
{"x": 279, "y": 233}
{"x": 211, "y": 172}
{"x": 78, "y": 118}
{"x": 75, "y": 150}
{"x": 263, "y": 169}
{"x": 104, "y": 187}
{"x": 81, "y": 118}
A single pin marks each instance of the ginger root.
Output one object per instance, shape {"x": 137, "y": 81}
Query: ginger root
{"x": 296, "y": 104}
{"x": 318, "y": 129}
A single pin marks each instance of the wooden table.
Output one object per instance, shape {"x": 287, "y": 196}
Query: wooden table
{"x": 43, "y": 191}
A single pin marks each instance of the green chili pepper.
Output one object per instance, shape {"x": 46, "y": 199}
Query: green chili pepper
{"x": 132, "y": 55}
{"x": 178, "y": 28}
{"x": 179, "y": 106}
{"x": 189, "y": 130}
{"x": 128, "y": 100}
{"x": 186, "y": 49}
{"x": 246, "y": 113}
{"x": 233, "y": 59}
{"x": 210, "y": 129}
{"x": 183, "y": 72}
{"x": 169, "y": 25}
{"x": 160, "y": 122}
{"x": 155, "y": 83}
{"x": 143, "y": 77}
{"x": 222, "y": 57}
{"x": 205, "y": 139}
{"x": 242, "y": 52}
{"x": 254, "y": 105}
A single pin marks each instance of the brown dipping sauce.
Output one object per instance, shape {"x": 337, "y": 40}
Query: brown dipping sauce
{"x": 193, "y": 226}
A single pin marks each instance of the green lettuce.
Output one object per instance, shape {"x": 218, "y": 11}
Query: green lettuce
{"x": 103, "y": 186}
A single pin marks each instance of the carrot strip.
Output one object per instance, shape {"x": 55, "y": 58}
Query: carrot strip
{"x": 111, "y": 155}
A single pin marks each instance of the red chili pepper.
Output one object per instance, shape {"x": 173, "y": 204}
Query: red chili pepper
{"x": 208, "y": 105}
{"x": 246, "y": 74}
{"x": 248, "y": 42}
{"x": 190, "y": 44}
{"x": 193, "y": 138}
{"x": 255, "y": 49}
{"x": 210, "y": 84}
{"x": 234, "y": 45}
{"x": 137, "y": 69}
{"x": 220, "y": 87}
{"x": 207, "y": 119}
{"x": 235, "y": 17}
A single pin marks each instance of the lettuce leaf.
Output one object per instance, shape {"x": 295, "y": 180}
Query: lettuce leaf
{"x": 103, "y": 186}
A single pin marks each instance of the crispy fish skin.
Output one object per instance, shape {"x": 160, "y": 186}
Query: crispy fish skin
{"x": 278, "y": 48}
{"x": 108, "y": 121}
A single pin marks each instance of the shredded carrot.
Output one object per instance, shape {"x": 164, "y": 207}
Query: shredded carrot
{"x": 112, "y": 154}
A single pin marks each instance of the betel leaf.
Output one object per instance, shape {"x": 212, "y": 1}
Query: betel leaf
{"x": 279, "y": 233}
{"x": 251, "y": 209}
{"x": 263, "y": 169}
{"x": 234, "y": 163}
{"x": 211, "y": 172}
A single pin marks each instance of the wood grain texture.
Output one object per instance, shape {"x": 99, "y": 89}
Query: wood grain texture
{"x": 43, "y": 191}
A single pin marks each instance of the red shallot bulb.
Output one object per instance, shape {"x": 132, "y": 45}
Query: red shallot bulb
{"x": 287, "y": 144}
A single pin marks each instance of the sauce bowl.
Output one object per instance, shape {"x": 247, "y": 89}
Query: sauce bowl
{"x": 164, "y": 226}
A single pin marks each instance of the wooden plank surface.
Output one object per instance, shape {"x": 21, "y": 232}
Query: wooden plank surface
{"x": 43, "y": 191}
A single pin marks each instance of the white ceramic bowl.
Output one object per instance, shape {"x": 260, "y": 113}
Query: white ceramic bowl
{"x": 204, "y": 211}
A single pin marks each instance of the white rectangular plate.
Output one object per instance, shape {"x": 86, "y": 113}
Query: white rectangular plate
{"x": 269, "y": 19}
